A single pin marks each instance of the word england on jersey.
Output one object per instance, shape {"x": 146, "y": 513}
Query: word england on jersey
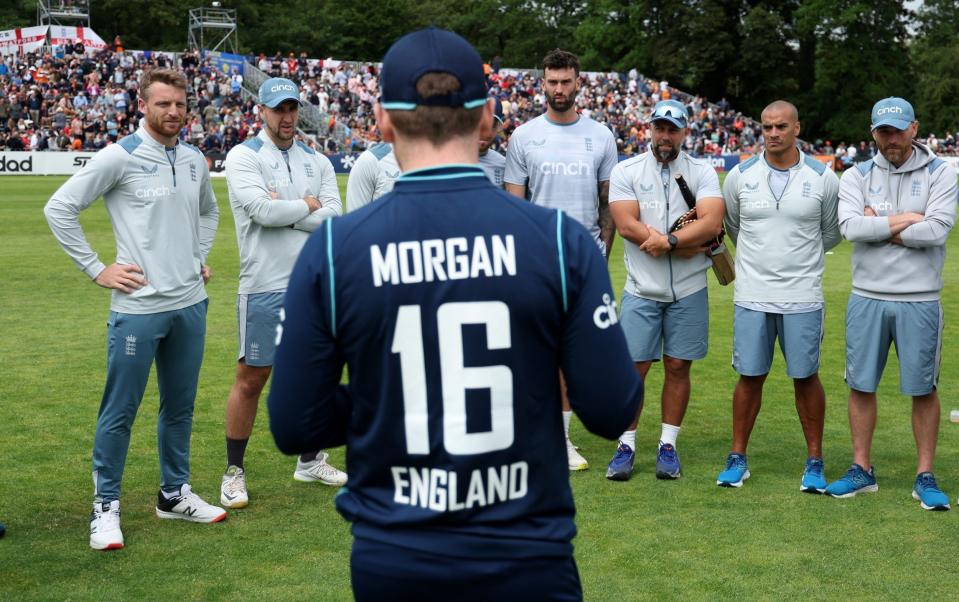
{"x": 439, "y": 489}
{"x": 458, "y": 258}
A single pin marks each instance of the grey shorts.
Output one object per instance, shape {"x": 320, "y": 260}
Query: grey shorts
{"x": 916, "y": 329}
{"x": 655, "y": 328}
{"x": 755, "y": 334}
{"x": 258, "y": 316}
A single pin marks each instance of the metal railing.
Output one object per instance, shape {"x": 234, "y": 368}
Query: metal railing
{"x": 312, "y": 120}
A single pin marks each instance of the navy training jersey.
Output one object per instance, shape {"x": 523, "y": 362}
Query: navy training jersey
{"x": 454, "y": 305}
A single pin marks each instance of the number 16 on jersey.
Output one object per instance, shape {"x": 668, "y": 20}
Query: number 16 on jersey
{"x": 455, "y": 378}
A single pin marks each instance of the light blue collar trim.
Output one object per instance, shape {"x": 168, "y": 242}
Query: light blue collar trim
{"x": 469, "y": 170}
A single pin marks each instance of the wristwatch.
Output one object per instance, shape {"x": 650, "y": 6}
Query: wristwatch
{"x": 673, "y": 241}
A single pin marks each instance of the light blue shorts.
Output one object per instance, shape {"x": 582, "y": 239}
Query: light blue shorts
{"x": 655, "y": 328}
{"x": 258, "y": 315}
{"x": 916, "y": 329}
{"x": 755, "y": 334}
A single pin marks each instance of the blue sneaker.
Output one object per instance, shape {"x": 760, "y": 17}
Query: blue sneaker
{"x": 856, "y": 480}
{"x": 667, "y": 462}
{"x": 621, "y": 466}
{"x": 813, "y": 480}
{"x": 736, "y": 471}
{"x": 928, "y": 494}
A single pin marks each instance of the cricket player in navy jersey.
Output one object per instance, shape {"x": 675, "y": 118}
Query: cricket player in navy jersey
{"x": 781, "y": 213}
{"x": 454, "y": 305}
{"x": 492, "y": 162}
{"x": 372, "y": 176}
{"x": 665, "y": 312}
{"x": 158, "y": 195}
{"x": 280, "y": 191}
{"x": 564, "y": 160}
{"x": 897, "y": 209}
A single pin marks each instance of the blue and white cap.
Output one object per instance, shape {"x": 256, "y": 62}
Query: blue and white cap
{"x": 893, "y": 111}
{"x": 278, "y": 89}
{"x": 425, "y": 51}
{"x": 670, "y": 110}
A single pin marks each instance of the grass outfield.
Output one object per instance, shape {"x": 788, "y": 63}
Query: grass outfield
{"x": 643, "y": 539}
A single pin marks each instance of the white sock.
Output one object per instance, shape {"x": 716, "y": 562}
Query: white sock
{"x": 628, "y": 439}
{"x": 668, "y": 435}
{"x": 566, "y": 417}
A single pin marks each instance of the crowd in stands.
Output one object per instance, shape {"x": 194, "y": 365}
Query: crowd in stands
{"x": 71, "y": 100}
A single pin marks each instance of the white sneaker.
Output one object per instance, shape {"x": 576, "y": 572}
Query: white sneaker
{"x": 573, "y": 457}
{"x": 319, "y": 470}
{"x": 188, "y": 506}
{"x": 233, "y": 488}
{"x": 105, "y": 533}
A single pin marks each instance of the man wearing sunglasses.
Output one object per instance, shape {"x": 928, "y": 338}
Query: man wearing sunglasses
{"x": 665, "y": 311}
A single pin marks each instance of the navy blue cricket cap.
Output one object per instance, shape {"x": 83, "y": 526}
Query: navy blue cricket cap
{"x": 498, "y": 109}
{"x": 426, "y": 51}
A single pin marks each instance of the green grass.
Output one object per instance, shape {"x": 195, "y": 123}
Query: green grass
{"x": 642, "y": 539}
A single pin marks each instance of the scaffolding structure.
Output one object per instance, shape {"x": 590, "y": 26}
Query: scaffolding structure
{"x": 73, "y": 13}
{"x": 213, "y": 24}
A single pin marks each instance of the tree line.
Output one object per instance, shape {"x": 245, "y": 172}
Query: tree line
{"x": 832, "y": 58}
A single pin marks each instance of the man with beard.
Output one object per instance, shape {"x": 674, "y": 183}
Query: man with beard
{"x": 665, "y": 312}
{"x": 781, "y": 213}
{"x": 281, "y": 190}
{"x": 564, "y": 160}
{"x": 158, "y": 195}
{"x": 897, "y": 209}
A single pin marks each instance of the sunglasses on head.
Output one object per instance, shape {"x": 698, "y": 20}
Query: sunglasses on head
{"x": 672, "y": 112}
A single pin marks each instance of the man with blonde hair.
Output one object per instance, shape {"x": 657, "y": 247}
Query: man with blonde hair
{"x": 158, "y": 195}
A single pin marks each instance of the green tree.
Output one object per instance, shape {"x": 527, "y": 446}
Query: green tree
{"x": 935, "y": 55}
{"x": 861, "y": 57}
{"x": 766, "y": 67}
{"x": 18, "y": 13}
{"x": 613, "y": 35}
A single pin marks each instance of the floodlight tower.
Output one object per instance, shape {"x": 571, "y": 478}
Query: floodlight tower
{"x": 213, "y": 24}
{"x": 57, "y": 12}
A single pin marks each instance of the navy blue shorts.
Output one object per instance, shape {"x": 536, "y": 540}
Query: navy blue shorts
{"x": 381, "y": 571}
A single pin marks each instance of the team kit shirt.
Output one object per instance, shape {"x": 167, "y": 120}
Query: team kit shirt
{"x": 923, "y": 184}
{"x": 652, "y": 185}
{"x": 164, "y": 217}
{"x": 372, "y": 176}
{"x": 782, "y": 225}
{"x": 453, "y": 323}
{"x": 562, "y": 165}
{"x": 271, "y": 231}
{"x": 494, "y": 166}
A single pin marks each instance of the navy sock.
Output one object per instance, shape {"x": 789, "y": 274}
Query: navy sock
{"x": 235, "y": 450}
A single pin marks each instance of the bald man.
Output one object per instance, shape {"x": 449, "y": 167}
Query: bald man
{"x": 781, "y": 214}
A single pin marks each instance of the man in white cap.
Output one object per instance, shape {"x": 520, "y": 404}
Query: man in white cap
{"x": 280, "y": 191}
{"x": 897, "y": 209}
{"x": 453, "y": 304}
